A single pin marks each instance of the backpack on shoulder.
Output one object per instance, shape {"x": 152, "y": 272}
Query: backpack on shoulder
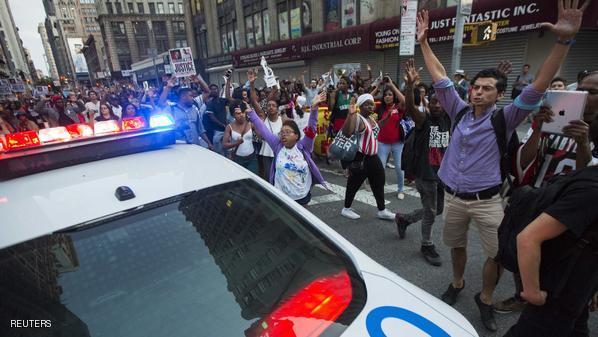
{"x": 525, "y": 205}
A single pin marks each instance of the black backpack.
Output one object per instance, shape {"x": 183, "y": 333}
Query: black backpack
{"x": 507, "y": 147}
{"x": 525, "y": 205}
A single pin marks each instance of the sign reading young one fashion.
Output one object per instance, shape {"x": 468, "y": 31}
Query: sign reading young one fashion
{"x": 181, "y": 61}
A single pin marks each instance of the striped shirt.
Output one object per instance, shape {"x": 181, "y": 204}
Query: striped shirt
{"x": 368, "y": 139}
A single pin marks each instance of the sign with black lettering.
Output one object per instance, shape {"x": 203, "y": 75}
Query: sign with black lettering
{"x": 181, "y": 62}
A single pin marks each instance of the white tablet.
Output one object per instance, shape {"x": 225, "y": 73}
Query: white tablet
{"x": 566, "y": 105}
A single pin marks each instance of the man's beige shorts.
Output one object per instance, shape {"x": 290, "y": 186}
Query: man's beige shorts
{"x": 486, "y": 215}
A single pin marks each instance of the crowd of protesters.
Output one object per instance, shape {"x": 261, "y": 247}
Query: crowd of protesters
{"x": 452, "y": 154}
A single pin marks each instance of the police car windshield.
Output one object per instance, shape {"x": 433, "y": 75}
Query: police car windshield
{"x": 213, "y": 262}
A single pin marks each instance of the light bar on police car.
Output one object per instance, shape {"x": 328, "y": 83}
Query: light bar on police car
{"x": 79, "y": 130}
{"x": 57, "y": 134}
{"x": 133, "y": 123}
{"x": 104, "y": 127}
{"x": 161, "y": 120}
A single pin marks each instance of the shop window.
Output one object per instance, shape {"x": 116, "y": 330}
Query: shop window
{"x": 290, "y": 17}
{"x": 227, "y": 23}
{"x": 254, "y": 12}
{"x": 347, "y": 13}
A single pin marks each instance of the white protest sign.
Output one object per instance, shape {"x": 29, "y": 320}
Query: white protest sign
{"x": 408, "y": 27}
{"x": 181, "y": 62}
{"x": 5, "y": 87}
{"x": 269, "y": 77}
{"x": 17, "y": 85}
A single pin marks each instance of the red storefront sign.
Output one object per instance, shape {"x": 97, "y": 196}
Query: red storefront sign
{"x": 511, "y": 16}
{"x": 347, "y": 40}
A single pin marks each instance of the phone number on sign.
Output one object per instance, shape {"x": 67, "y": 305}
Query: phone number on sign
{"x": 186, "y": 67}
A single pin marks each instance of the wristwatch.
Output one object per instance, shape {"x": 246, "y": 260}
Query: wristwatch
{"x": 567, "y": 42}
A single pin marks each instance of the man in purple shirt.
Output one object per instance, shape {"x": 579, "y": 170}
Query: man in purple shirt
{"x": 470, "y": 169}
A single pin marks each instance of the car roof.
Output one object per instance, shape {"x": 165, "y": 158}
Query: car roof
{"x": 42, "y": 203}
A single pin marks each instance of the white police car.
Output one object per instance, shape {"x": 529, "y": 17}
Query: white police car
{"x": 108, "y": 233}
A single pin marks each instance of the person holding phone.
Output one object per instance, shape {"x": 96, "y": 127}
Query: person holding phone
{"x": 391, "y": 137}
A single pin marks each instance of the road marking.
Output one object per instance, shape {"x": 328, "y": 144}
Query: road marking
{"x": 338, "y": 194}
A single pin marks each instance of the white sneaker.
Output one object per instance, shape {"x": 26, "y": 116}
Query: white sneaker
{"x": 386, "y": 215}
{"x": 350, "y": 214}
{"x": 401, "y": 196}
{"x": 390, "y": 166}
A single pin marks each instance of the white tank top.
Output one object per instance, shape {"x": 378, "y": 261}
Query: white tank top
{"x": 246, "y": 148}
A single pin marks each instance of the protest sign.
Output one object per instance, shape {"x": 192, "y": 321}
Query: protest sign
{"x": 181, "y": 62}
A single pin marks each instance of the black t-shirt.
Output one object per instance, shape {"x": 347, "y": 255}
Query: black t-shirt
{"x": 576, "y": 207}
{"x": 216, "y": 106}
{"x": 431, "y": 142}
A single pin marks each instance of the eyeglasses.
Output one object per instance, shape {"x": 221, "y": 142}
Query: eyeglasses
{"x": 286, "y": 132}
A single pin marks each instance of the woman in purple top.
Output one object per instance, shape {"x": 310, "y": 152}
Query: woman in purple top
{"x": 293, "y": 171}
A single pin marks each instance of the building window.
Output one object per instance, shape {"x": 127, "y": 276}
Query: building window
{"x": 143, "y": 46}
{"x": 160, "y": 8}
{"x": 255, "y": 12}
{"x": 119, "y": 7}
{"x": 152, "y": 7}
{"x": 181, "y": 43}
{"x": 109, "y": 8}
{"x": 347, "y": 13}
{"x": 130, "y": 7}
{"x": 140, "y": 28}
{"x": 202, "y": 42}
{"x": 171, "y": 8}
{"x": 118, "y": 28}
{"x": 180, "y": 5}
{"x": 227, "y": 23}
{"x": 140, "y": 9}
{"x": 161, "y": 35}
{"x": 178, "y": 27}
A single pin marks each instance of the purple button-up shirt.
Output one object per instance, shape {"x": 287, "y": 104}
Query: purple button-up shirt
{"x": 472, "y": 161}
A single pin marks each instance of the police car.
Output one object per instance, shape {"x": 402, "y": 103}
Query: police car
{"x": 117, "y": 230}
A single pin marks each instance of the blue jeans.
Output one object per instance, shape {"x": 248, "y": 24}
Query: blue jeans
{"x": 397, "y": 150}
{"x": 217, "y": 141}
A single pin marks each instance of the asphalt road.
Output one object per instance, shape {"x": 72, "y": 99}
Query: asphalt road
{"x": 379, "y": 239}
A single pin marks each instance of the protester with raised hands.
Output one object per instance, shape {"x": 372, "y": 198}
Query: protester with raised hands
{"x": 293, "y": 171}
{"x": 424, "y": 153}
{"x": 366, "y": 164}
{"x": 391, "y": 137}
{"x": 471, "y": 168}
{"x": 271, "y": 119}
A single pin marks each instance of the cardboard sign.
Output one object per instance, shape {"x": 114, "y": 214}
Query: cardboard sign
{"x": 181, "y": 62}
{"x": 17, "y": 85}
{"x": 269, "y": 77}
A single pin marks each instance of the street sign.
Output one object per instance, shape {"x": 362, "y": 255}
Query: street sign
{"x": 408, "y": 23}
{"x": 481, "y": 33}
{"x": 181, "y": 61}
{"x": 466, "y": 6}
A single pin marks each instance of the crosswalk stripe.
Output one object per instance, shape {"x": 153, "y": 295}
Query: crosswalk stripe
{"x": 338, "y": 194}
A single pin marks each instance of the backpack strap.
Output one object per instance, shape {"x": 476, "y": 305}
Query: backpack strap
{"x": 459, "y": 117}
{"x": 499, "y": 124}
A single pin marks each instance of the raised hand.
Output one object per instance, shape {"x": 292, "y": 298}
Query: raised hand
{"x": 319, "y": 98}
{"x": 368, "y": 67}
{"x": 353, "y": 106}
{"x": 422, "y": 22}
{"x": 505, "y": 67}
{"x": 171, "y": 82}
{"x": 411, "y": 74}
{"x": 569, "y": 19}
{"x": 251, "y": 75}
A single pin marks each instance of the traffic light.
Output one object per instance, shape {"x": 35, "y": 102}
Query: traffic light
{"x": 480, "y": 33}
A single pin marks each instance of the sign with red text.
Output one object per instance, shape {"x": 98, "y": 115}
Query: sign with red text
{"x": 181, "y": 62}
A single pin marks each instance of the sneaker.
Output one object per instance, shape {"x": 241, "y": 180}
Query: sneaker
{"x": 450, "y": 295}
{"x": 350, "y": 214}
{"x": 487, "y": 313}
{"x": 402, "y": 224}
{"x": 390, "y": 166}
{"x": 509, "y": 305}
{"x": 386, "y": 215}
{"x": 431, "y": 255}
{"x": 401, "y": 196}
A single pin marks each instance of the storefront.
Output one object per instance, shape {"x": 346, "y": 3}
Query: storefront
{"x": 519, "y": 40}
